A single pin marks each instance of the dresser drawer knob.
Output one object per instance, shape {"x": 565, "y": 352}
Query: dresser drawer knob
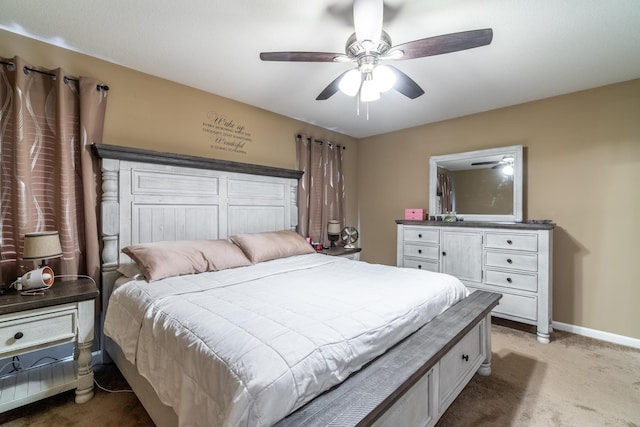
{"x": 509, "y": 279}
{"x": 419, "y": 267}
{"x": 509, "y": 261}
{"x": 509, "y": 242}
{"x": 420, "y": 236}
{"x": 18, "y": 335}
{"x": 465, "y": 357}
{"x": 419, "y": 251}
{"x": 444, "y": 253}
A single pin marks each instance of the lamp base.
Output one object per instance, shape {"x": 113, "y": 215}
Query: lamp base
{"x": 333, "y": 238}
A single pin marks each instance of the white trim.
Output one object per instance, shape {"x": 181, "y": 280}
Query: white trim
{"x": 600, "y": 335}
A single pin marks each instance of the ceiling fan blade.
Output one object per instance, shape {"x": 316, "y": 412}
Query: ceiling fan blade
{"x": 330, "y": 90}
{"x": 445, "y": 43}
{"x": 367, "y": 19}
{"x": 485, "y": 163}
{"x": 405, "y": 84}
{"x": 300, "y": 56}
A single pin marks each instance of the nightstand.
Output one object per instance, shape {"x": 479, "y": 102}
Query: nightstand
{"x": 64, "y": 314}
{"x": 351, "y": 253}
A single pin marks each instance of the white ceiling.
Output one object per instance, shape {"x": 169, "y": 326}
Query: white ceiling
{"x": 540, "y": 48}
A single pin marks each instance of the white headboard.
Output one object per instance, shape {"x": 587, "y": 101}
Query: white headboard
{"x": 150, "y": 196}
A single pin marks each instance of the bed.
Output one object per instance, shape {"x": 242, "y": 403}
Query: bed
{"x": 347, "y": 342}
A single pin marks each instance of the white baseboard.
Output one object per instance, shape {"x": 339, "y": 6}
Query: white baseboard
{"x": 600, "y": 335}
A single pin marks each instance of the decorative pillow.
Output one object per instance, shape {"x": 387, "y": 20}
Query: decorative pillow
{"x": 260, "y": 247}
{"x": 158, "y": 260}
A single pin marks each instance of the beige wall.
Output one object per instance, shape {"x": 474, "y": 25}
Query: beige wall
{"x": 582, "y": 157}
{"x": 152, "y": 113}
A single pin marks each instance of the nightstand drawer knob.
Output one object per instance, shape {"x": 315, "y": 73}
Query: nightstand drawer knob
{"x": 465, "y": 357}
{"x": 18, "y": 335}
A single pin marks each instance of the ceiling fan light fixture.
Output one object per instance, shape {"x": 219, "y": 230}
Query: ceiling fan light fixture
{"x": 384, "y": 78}
{"x": 350, "y": 82}
{"x": 369, "y": 91}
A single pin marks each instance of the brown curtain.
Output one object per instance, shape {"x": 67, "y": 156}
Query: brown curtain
{"x": 321, "y": 190}
{"x": 48, "y": 181}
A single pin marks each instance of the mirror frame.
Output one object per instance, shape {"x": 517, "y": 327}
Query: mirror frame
{"x": 479, "y": 155}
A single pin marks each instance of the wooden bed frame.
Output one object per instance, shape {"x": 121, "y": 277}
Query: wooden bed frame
{"x": 150, "y": 196}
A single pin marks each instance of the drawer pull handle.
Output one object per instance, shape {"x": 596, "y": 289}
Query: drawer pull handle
{"x": 420, "y": 236}
{"x": 465, "y": 357}
{"x": 509, "y": 279}
{"x": 509, "y": 242}
{"x": 419, "y": 267}
{"x": 509, "y": 261}
{"x": 444, "y": 254}
{"x": 18, "y": 335}
{"x": 419, "y": 251}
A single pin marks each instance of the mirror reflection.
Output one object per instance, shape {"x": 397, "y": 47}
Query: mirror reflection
{"x": 478, "y": 185}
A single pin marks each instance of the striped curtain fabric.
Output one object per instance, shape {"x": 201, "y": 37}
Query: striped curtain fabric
{"x": 47, "y": 174}
{"x": 321, "y": 190}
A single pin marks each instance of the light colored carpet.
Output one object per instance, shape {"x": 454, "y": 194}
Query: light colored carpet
{"x": 574, "y": 381}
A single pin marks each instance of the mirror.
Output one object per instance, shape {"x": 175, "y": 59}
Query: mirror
{"x": 482, "y": 185}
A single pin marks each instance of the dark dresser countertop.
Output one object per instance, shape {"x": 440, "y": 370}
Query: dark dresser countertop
{"x": 482, "y": 224}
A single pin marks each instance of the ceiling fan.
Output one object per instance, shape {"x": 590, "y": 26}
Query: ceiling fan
{"x": 506, "y": 163}
{"x": 369, "y": 46}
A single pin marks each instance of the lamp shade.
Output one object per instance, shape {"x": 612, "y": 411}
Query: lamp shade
{"x": 350, "y": 82}
{"x": 41, "y": 246}
{"x": 333, "y": 227}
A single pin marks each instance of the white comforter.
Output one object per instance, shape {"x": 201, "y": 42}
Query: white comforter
{"x": 247, "y": 346}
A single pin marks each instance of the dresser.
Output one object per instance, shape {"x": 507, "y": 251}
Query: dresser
{"x": 62, "y": 314}
{"x": 513, "y": 259}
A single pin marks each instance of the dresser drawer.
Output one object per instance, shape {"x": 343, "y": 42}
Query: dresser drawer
{"x": 420, "y": 234}
{"x": 422, "y": 251}
{"x": 459, "y": 363}
{"x": 421, "y": 264}
{"x": 510, "y": 279}
{"x": 37, "y": 331}
{"x": 519, "y": 242}
{"x": 525, "y": 262}
{"x": 518, "y": 306}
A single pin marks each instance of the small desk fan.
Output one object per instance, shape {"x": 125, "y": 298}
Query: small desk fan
{"x": 349, "y": 236}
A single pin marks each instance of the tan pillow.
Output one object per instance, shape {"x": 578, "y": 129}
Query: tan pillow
{"x": 158, "y": 260}
{"x": 260, "y": 247}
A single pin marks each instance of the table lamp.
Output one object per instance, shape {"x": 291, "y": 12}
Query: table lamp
{"x": 333, "y": 231}
{"x": 40, "y": 246}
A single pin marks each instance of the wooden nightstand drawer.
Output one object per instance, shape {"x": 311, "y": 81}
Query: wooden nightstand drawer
{"x": 37, "y": 329}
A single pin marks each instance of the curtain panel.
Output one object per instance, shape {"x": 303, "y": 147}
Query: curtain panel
{"x": 47, "y": 172}
{"x": 321, "y": 190}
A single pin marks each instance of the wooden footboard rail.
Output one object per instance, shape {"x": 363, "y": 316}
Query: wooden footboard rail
{"x": 414, "y": 382}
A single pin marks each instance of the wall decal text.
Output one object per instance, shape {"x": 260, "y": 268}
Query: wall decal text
{"x": 226, "y": 134}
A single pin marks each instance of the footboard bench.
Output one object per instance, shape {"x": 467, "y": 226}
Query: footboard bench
{"x": 416, "y": 381}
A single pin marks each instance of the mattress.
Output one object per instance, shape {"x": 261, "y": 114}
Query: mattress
{"x": 247, "y": 346}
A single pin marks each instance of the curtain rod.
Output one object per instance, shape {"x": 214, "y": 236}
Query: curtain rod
{"x": 322, "y": 142}
{"x": 66, "y": 78}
